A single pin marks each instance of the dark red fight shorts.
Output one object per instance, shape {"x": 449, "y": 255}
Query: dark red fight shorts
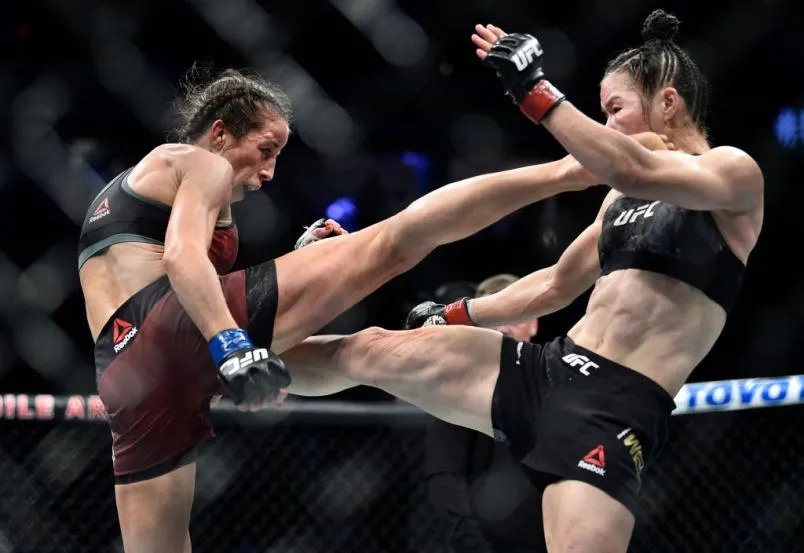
{"x": 155, "y": 375}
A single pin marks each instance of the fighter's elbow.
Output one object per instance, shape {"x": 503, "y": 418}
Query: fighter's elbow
{"x": 553, "y": 295}
{"x": 559, "y": 295}
{"x": 178, "y": 257}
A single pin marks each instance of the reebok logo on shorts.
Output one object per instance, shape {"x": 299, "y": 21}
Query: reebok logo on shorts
{"x": 594, "y": 461}
{"x": 122, "y": 334}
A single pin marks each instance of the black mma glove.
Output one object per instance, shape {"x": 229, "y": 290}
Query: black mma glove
{"x": 252, "y": 375}
{"x": 431, "y": 313}
{"x": 517, "y": 59}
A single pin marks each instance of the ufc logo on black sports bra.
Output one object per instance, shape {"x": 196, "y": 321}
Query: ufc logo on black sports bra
{"x": 631, "y": 215}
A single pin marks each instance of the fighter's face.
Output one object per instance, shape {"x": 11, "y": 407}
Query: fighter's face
{"x": 623, "y": 105}
{"x": 253, "y": 156}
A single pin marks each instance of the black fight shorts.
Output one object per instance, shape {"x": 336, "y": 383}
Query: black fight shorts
{"x": 155, "y": 375}
{"x": 569, "y": 414}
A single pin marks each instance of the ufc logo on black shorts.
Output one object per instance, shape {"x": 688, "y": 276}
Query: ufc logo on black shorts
{"x": 582, "y": 361}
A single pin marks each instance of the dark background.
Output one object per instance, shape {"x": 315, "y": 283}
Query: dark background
{"x": 390, "y": 103}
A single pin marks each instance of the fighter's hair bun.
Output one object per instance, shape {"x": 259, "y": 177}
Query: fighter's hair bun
{"x": 660, "y": 25}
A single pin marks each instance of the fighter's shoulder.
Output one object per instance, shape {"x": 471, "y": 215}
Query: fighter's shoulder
{"x": 182, "y": 158}
{"x": 735, "y": 164}
{"x": 161, "y": 171}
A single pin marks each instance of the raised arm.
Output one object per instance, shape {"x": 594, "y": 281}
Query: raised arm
{"x": 724, "y": 178}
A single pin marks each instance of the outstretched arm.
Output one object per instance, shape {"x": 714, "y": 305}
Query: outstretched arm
{"x": 546, "y": 290}
{"x": 540, "y": 293}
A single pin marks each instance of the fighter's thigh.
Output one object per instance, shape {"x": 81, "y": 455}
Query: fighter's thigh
{"x": 320, "y": 281}
{"x": 155, "y": 514}
{"x": 448, "y": 371}
{"x": 580, "y": 517}
{"x": 156, "y": 394}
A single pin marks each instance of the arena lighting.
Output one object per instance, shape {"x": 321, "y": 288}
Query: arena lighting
{"x": 789, "y": 127}
{"x": 343, "y": 210}
{"x": 420, "y": 164}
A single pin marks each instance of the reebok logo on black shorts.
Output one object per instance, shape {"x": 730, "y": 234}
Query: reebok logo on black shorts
{"x": 594, "y": 461}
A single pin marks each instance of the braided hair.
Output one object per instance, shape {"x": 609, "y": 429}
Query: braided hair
{"x": 660, "y": 62}
{"x": 236, "y": 98}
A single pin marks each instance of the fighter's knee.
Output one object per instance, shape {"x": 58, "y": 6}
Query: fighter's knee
{"x": 405, "y": 239}
{"x": 357, "y": 353}
{"x": 364, "y": 343}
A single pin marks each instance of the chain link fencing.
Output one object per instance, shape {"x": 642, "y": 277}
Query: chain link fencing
{"x": 312, "y": 480}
